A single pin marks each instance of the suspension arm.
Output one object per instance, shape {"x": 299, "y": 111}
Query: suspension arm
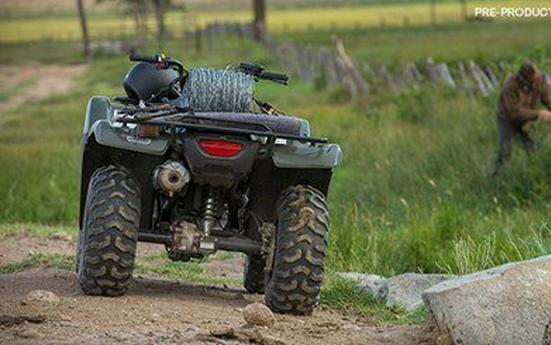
{"x": 233, "y": 243}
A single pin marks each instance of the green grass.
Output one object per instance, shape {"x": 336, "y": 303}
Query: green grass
{"x": 415, "y": 192}
{"x": 191, "y": 271}
{"x": 34, "y": 229}
{"x": 44, "y": 51}
{"x": 344, "y": 294}
{"x": 65, "y": 262}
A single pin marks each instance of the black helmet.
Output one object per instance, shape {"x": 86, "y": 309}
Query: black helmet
{"x": 143, "y": 80}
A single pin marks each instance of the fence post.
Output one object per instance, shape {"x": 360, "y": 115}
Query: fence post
{"x": 352, "y": 75}
{"x": 481, "y": 86}
{"x": 198, "y": 40}
{"x": 467, "y": 85}
{"x": 445, "y": 75}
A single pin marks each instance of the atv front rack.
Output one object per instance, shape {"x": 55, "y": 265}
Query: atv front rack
{"x": 187, "y": 122}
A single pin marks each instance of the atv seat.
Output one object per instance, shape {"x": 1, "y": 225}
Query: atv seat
{"x": 280, "y": 124}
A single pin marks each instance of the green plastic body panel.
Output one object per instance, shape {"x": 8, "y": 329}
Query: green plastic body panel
{"x": 108, "y": 136}
{"x": 99, "y": 113}
{"x": 305, "y": 156}
{"x": 98, "y": 108}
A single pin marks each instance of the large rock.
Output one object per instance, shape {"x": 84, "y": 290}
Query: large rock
{"x": 509, "y": 304}
{"x": 371, "y": 284}
{"x": 405, "y": 289}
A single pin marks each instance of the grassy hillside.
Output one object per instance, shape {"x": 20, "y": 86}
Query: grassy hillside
{"x": 414, "y": 193}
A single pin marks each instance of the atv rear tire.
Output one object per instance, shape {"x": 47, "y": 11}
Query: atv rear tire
{"x": 296, "y": 273}
{"x": 107, "y": 243}
{"x": 254, "y": 276}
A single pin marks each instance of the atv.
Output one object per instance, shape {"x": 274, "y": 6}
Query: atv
{"x": 192, "y": 160}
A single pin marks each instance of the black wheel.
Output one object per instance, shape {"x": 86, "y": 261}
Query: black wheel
{"x": 253, "y": 276}
{"x": 106, "y": 246}
{"x": 296, "y": 273}
{"x": 79, "y": 250}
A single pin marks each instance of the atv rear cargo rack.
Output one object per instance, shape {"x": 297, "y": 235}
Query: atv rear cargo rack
{"x": 265, "y": 130}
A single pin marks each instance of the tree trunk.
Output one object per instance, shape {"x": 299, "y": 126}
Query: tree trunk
{"x": 433, "y": 12}
{"x": 464, "y": 9}
{"x": 259, "y": 22}
{"x": 160, "y": 10}
{"x": 84, "y": 27}
{"x": 139, "y": 12}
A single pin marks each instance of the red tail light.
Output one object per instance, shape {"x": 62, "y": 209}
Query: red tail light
{"x": 220, "y": 148}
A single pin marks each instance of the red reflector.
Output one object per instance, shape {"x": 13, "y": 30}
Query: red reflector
{"x": 219, "y": 148}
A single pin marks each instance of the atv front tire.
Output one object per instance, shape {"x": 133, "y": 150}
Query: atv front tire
{"x": 253, "y": 275}
{"x": 296, "y": 273}
{"x": 107, "y": 242}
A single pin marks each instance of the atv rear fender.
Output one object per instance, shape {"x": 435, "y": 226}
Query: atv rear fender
{"x": 99, "y": 114}
{"x": 102, "y": 144}
{"x": 292, "y": 155}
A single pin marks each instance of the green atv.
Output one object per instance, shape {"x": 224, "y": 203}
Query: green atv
{"x": 191, "y": 160}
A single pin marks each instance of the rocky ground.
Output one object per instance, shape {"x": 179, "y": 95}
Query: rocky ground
{"x": 157, "y": 310}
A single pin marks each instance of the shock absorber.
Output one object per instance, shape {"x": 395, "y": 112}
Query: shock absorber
{"x": 210, "y": 208}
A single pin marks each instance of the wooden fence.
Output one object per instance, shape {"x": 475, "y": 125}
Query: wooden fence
{"x": 338, "y": 69}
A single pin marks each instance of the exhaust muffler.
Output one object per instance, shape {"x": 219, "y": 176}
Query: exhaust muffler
{"x": 171, "y": 177}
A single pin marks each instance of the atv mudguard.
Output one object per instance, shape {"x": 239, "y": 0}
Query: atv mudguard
{"x": 293, "y": 155}
{"x": 97, "y": 123}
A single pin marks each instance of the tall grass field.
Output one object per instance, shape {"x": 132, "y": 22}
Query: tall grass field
{"x": 414, "y": 192}
{"x": 114, "y": 21}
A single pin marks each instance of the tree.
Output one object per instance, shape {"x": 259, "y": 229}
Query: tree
{"x": 84, "y": 27}
{"x": 259, "y": 21}
{"x": 464, "y": 9}
{"x": 433, "y": 12}
{"x": 138, "y": 10}
{"x": 160, "y": 7}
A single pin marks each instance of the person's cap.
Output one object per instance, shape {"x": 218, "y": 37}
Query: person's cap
{"x": 528, "y": 70}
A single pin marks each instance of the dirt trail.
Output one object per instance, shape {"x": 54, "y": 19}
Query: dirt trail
{"x": 16, "y": 248}
{"x": 154, "y": 310}
{"x": 158, "y": 310}
{"x": 35, "y": 81}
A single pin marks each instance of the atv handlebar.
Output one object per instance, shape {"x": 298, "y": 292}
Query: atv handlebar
{"x": 275, "y": 77}
{"x": 259, "y": 72}
{"x": 145, "y": 58}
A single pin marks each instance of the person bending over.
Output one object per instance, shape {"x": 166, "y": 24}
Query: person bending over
{"x": 517, "y": 107}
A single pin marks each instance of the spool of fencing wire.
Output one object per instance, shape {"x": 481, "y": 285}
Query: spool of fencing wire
{"x": 211, "y": 90}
